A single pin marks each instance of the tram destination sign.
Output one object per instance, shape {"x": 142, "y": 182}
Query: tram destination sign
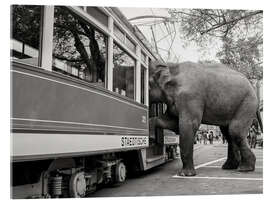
{"x": 171, "y": 139}
{"x": 134, "y": 141}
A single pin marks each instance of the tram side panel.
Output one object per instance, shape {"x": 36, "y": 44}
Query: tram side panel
{"x": 68, "y": 117}
{"x": 66, "y": 132}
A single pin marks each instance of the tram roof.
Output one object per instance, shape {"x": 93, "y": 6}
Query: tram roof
{"x": 137, "y": 32}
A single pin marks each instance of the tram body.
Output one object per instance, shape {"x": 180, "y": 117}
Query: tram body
{"x": 73, "y": 129}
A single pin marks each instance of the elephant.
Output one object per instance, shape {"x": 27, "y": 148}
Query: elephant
{"x": 212, "y": 94}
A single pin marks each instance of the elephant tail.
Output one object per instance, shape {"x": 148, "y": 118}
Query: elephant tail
{"x": 258, "y": 114}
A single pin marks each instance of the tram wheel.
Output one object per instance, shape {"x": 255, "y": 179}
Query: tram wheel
{"x": 77, "y": 185}
{"x": 120, "y": 173}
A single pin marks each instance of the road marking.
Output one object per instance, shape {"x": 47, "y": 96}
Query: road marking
{"x": 210, "y": 162}
{"x": 216, "y": 178}
{"x": 221, "y": 166}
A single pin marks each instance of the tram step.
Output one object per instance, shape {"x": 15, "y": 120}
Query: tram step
{"x": 154, "y": 158}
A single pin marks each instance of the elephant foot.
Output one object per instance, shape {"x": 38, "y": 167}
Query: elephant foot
{"x": 187, "y": 172}
{"x": 246, "y": 168}
{"x": 248, "y": 163}
{"x": 230, "y": 164}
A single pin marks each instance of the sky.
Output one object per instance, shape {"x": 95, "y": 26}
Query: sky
{"x": 179, "y": 52}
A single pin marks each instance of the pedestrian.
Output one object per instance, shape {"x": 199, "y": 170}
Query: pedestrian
{"x": 249, "y": 139}
{"x": 217, "y": 138}
{"x": 253, "y": 136}
{"x": 200, "y": 137}
{"x": 211, "y": 137}
{"x": 205, "y": 137}
{"x": 197, "y": 137}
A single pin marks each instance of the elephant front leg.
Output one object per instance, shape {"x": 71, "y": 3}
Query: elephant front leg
{"x": 189, "y": 122}
{"x": 186, "y": 151}
{"x": 188, "y": 128}
{"x": 163, "y": 122}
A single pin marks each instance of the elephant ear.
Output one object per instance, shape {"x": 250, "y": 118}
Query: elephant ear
{"x": 162, "y": 75}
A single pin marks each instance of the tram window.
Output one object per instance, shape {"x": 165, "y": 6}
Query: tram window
{"x": 79, "y": 49}
{"x": 124, "y": 38}
{"x": 25, "y": 35}
{"x": 123, "y": 72}
{"x": 143, "y": 79}
{"x": 97, "y": 14}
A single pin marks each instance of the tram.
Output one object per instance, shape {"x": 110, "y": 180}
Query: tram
{"x": 79, "y": 101}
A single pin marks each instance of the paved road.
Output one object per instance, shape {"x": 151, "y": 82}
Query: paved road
{"x": 210, "y": 179}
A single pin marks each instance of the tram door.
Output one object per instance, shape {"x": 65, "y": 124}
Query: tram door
{"x": 156, "y": 138}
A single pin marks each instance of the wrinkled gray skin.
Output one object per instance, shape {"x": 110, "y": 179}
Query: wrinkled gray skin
{"x": 212, "y": 94}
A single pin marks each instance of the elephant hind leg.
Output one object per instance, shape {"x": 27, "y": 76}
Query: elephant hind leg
{"x": 238, "y": 131}
{"x": 233, "y": 155}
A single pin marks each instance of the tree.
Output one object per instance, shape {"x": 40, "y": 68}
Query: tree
{"x": 243, "y": 55}
{"x": 25, "y": 22}
{"x": 76, "y": 42}
{"x": 240, "y": 32}
{"x": 72, "y": 37}
{"x": 81, "y": 44}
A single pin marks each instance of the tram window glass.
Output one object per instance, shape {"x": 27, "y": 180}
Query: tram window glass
{"x": 143, "y": 79}
{"x": 97, "y": 14}
{"x": 123, "y": 72}
{"x": 79, "y": 49}
{"x": 25, "y": 35}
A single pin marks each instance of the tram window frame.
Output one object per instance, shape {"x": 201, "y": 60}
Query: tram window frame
{"x": 119, "y": 33}
{"x": 143, "y": 57}
{"x": 99, "y": 15}
{"x": 115, "y": 89}
{"x": 130, "y": 44}
{"x": 104, "y": 39}
{"x": 143, "y": 84}
{"x": 124, "y": 38}
{"x": 30, "y": 62}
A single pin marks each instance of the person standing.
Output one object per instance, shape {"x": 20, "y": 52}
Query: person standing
{"x": 211, "y": 137}
{"x": 253, "y": 136}
{"x": 205, "y": 137}
{"x": 200, "y": 137}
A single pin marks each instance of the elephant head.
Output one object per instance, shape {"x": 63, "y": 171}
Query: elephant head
{"x": 159, "y": 74}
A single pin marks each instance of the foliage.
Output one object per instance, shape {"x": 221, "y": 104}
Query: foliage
{"x": 240, "y": 32}
{"x": 243, "y": 55}
{"x": 79, "y": 43}
{"x": 25, "y": 22}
